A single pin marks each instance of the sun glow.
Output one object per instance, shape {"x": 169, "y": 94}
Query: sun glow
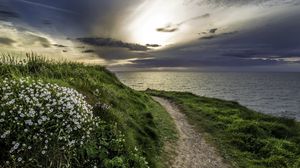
{"x": 147, "y": 18}
{"x": 147, "y": 33}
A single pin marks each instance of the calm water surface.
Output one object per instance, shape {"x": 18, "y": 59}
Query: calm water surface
{"x": 271, "y": 93}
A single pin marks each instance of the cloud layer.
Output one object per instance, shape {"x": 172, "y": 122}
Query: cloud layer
{"x": 157, "y": 34}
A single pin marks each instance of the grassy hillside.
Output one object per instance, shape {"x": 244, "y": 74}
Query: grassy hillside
{"x": 131, "y": 127}
{"x": 244, "y": 137}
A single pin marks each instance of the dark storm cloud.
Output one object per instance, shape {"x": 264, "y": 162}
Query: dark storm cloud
{"x": 168, "y": 29}
{"x": 6, "y": 41}
{"x": 55, "y": 16}
{"x": 212, "y": 31}
{"x": 109, "y": 42}
{"x": 115, "y": 53}
{"x": 71, "y": 18}
{"x": 88, "y": 51}
{"x": 207, "y": 37}
{"x": 272, "y": 42}
{"x": 111, "y": 49}
{"x": 174, "y": 27}
{"x": 153, "y": 45}
{"x": 280, "y": 39}
{"x": 59, "y": 45}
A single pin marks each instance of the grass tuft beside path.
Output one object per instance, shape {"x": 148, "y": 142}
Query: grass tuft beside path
{"x": 244, "y": 137}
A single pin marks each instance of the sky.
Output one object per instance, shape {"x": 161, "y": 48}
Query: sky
{"x": 207, "y": 35}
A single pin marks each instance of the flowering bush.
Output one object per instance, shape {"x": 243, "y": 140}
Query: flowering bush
{"x": 119, "y": 119}
{"x": 38, "y": 120}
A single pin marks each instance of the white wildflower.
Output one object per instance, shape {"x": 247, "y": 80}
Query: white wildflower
{"x": 28, "y": 122}
{"x": 16, "y": 146}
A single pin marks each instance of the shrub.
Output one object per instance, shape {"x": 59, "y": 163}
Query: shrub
{"x": 46, "y": 125}
{"x": 41, "y": 119}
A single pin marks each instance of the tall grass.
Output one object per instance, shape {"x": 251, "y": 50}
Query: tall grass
{"x": 10, "y": 59}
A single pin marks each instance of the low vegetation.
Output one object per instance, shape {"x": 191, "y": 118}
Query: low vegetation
{"x": 74, "y": 115}
{"x": 62, "y": 114}
{"x": 244, "y": 137}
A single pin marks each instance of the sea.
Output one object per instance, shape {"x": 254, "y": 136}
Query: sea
{"x": 277, "y": 93}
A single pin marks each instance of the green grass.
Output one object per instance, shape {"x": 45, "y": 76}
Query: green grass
{"x": 145, "y": 124}
{"x": 244, "y": 137}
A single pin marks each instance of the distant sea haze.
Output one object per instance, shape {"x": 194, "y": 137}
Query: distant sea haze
{"x": 271, "y": 93}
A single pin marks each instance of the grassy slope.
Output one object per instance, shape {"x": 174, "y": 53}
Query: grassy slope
{"x": 244, "y": 137}
{"x": 144, "y": 122}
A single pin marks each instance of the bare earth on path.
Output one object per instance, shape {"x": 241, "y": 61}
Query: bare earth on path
{"x": 192, "y": 149}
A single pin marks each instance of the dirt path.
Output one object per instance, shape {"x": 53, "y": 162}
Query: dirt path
{"x": 192, "y": 149}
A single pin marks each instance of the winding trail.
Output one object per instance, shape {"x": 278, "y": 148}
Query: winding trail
{"x": 192, "y": 150}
